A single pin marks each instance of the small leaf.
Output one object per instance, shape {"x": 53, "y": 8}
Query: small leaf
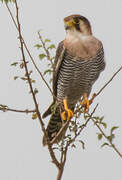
{"x": 113, "y": 128}
{"x": 105, "y": 144}
{"x": 23, "y": 78}
{"x": 99, "y": 136}
{"x": 33, "y": 81}
{"x": 47, "y": 40}
{"x": 100, "y": 119}
{"x": 52, "y": 46}
{"x": 38, "y": 46}
{"x": 73, "y": 146}
{"x": 15, "y": 77}
{"x": 34, "y": 116}
{"x": 41, "y": 56}
{"x": 104, "y": 124}
{"x": 14, "y": 64}
{"x": 47, "y": 71}
{"x": 36, "y": 91}
{"x": 110, "y": 138}
{"x": 22, "y": 65}
{"x": 82, "y": 143}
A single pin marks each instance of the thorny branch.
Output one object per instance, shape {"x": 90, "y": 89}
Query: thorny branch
{"x": 55, "y": 161}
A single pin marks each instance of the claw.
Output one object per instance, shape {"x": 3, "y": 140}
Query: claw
{"x": 67, "y": 110}
{"x": 91, "y": 100}
{"x": 86, "y": 103}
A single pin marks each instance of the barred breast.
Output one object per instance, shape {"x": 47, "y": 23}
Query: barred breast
{"x": 76, "y": 76}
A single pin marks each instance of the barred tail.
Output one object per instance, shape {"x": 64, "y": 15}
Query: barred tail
{"x": 54, "y": 125}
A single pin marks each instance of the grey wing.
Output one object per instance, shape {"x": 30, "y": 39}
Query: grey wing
{"x": 58, "y": 60}
{"x": 57, "y": 63}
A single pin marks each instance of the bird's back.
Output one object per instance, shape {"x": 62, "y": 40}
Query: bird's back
{"x": 77, "y": 75}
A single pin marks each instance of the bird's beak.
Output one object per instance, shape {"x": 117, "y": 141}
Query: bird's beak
{"x": 68, "y": 24}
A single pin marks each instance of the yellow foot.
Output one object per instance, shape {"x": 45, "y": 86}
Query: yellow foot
{"x": 91, "y": 100}
{"x": 85, "y": 103}
{"x": 67, "y": 114}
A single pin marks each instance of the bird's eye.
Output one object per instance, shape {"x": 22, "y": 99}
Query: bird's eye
{"x": 76, "y": 21}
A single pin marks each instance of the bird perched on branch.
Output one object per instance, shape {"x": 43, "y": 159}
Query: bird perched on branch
{"x": 78, "y": 63}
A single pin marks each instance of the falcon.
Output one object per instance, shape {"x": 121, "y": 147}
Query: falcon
{"x": 78, "y": 63}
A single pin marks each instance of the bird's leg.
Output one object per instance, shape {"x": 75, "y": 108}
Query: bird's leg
{"x": 86, "y": 103}
{"x": 91, "y": 100}
{"x": 67, "y": 110}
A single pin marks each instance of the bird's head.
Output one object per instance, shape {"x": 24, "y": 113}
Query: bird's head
{"x": 77, "y": 23}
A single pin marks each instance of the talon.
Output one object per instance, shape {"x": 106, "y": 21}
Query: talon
{"x": 67, "y": 110}
{"x": 63, "y": 115}
{"x": 91, "y": 100}
{"x": 85, "y": 103}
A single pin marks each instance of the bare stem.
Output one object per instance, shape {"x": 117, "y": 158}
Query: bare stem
{"x": 4, "y": 109}
{"x": 109, "y": 81}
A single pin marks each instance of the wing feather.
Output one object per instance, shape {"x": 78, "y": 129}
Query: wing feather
{"x": 57, "y": 63}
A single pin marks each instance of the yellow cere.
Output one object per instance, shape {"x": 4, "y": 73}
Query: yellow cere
{"x": 70, "y": 23}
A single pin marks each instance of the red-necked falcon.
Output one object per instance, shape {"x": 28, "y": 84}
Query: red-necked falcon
{"x": 78, "y": 63}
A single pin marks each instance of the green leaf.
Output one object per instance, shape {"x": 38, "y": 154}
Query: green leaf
{"x": 113, "y": 128}
{"x": 15, "y": 77}
{"x": 41, "y": 56}
{"x": 104, "y": 124}
{"x": 34, "y": 116}
{"x": 47, "y": 71}
{"x": 36, "y": 91}
{"x": 99, "y": 136}
{"x": 110, "y": 138}
{"x": 105, "y": 144}
{"x": 38, "y": 46}
{"x": 52, "y": 46}
{"x": 14, "y": 64}
{"x": 82, "y": 143}
{"x": 6, "y": 1}
{"x": 73, "y": 146}
{"x": 100, "y": 119}
{"x": 47, "y": 40}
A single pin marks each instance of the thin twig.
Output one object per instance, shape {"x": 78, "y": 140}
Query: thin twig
{"x": 55, "y": 161}
{"x": 45, "y": 49}
{"x": 102, "y": 132}
{"x": 4, "y": 109}
{"x": 11, "y": 15}
{"x": 108, "y": 81}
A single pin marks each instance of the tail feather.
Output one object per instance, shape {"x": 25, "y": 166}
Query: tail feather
{"x": 54, "y": 125}
{"x": 48, "y": 111}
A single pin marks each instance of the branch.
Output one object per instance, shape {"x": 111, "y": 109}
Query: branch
{"x": 102, "y": 132}
{"x": 32, "y": 60}
{"x": 54, "y": 160}
{"x": 46, "y": 50}
{"x": 4, "y": 109}
{"x": 108, "y": 81}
